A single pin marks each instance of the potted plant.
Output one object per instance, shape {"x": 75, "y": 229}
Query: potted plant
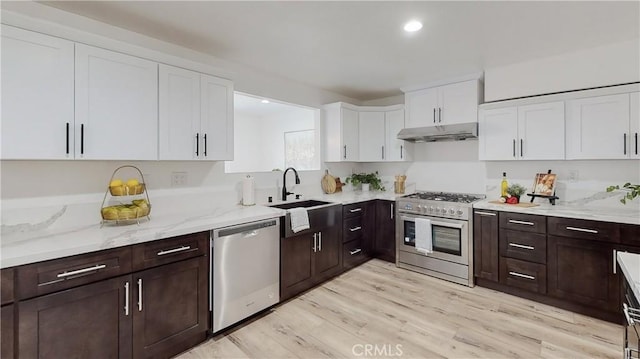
{"x": 632, "y": 189}
{"x": 367, "y": 180}
{"x": 515, "y": 191}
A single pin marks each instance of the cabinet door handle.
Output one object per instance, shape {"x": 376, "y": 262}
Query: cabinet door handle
{"x": 514, "y": 221}
{"x": 439, "y": 115}
{"x": 521, "y": 145}
{"x": 205, "y": 145}
{"x": 80, "y": 271}
{"x": 577, "y": 229}
{"x": 355, "y": 229}
{"x": 521, "y": 246}
{"x": 383, "y": 152}
{"x": 319, "y": 241}
{"x": 197, "y": 144}
{"x": 615, "y": 261}
{"x": 526, "y": 276}
{"x": 636, "y": 136}
{"x": 392, "y": 210}
{"x": 139, "y": 294}
{"x": 355, "y": 210}
{"x": 625, "y": 144}
{"x": 514, "y": 148}
{"x": 401, "y": 147}
{"x": 82, "y": 139}
{"x": 67, "y": 138}
{"x": 434, "y": 115}
{"x": 126, "y": 298}
{"x": 315, "y": 241}
{"x": 354, "y": 252}
{"x": 175, "y": 250}
{"x": 485, "y": 213}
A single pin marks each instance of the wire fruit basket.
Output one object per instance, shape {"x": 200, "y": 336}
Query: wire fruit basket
{"x": 134, "y": 190}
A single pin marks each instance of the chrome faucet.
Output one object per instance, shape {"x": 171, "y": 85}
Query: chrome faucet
{"x": 284, "y": 182}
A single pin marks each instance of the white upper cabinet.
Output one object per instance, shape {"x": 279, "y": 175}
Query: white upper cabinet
{"x": 634, "y": 151}
{"x": 395, "y": 149}
{"x": 443, "y": 105}
{"x": 196, "y": 116}
{"x": 341, "y": 132}
{"x": 116, "y": 104}
{"x": 372, "y": 136}
{"x": 529, "y": 132}
{"x": 599, "y": 127}
{"x": 37, "y": 96}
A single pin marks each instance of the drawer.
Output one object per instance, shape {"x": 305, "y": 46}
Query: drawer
{"x": 6, "y": 285}
{"x": 51, "y": 276}
{"x": 353, "y": 228}
{"x": 523, "y": 222}
{"x": 584, "y": 229}
{"x": 527, "y": 246}
{"x": 524, "y": 275}
{"x": 353, "y": 253}
{"x": 164, "y": 251}
{"x": 630, "y": 234}
{"x": 354, "y": 209}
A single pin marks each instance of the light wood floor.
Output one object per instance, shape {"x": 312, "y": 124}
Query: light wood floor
{"x": 398, "y": 313}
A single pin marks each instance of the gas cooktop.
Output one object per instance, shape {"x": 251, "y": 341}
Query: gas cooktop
{"x": 446, "y": 197}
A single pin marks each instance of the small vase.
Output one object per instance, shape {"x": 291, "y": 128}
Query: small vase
{"x": 365, "y": 187}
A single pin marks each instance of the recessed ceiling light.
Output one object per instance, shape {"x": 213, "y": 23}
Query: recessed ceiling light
{"x": 265, "y": 101}
{"x": 413, "y": 26}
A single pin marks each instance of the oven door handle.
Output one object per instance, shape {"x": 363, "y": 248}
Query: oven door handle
{"x": 449, "y": 225}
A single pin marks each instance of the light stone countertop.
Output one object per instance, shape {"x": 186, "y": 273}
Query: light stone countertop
{"x": 630, "y": 264}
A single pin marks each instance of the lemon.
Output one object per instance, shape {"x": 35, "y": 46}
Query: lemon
{"x": 115, "y": 183}
{"x": 132, "y": 182}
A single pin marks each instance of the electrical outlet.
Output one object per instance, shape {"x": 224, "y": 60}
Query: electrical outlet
{"x": 573, "y": 176}
{"x": 178, "y": 179}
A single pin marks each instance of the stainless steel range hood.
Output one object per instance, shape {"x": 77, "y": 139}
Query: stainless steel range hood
{"x": 457, "y": 132}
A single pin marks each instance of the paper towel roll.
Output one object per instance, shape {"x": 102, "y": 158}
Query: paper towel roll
{"x": 248, "y": 191}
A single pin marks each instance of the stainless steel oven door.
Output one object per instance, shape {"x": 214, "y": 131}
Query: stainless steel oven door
{"x": 450, "y": 238}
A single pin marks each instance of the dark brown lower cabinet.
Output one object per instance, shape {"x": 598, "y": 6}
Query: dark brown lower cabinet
{"x": 485, "y": 244}
{"x": 582, "y": 271}
{"x": 7, "y": 332}
{"x": 92, "y": 320}
{"x": 384, "y": 245}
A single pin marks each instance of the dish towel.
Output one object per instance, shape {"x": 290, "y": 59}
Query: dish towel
{"x": 424, "y": 240}
{"x": 299, "y": 219}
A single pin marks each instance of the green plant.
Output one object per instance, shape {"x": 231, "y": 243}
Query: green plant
{"x": 371, "y": 178}
{"x": 516, "y": 190}
{"x": 632, "y": 189}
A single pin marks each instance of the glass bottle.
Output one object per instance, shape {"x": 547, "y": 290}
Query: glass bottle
{"x": 504, "y": 185}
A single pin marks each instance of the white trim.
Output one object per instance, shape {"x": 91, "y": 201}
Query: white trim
{"x": 468, "y": 77}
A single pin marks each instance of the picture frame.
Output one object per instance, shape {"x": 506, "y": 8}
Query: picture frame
{"x": 544, "y": 184}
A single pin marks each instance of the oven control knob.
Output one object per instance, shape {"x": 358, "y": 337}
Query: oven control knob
{"x": 431, "y": 209}
{"x": 452, "y": 211}
{"x": 419, "y": 207}
{"x": 460, "y": 212}
{"x": 444, "y": 211}
{"x": 437, "y": 210}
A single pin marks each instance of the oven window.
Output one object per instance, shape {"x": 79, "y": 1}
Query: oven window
{"x": 447, "y": 240}
{"x": 409, "y": 233}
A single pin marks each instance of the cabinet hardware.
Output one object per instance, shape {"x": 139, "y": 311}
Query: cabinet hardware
{"x": 383, "y": 152}
{"x": 80, "y": 271}
{"x": 521, "y": 246}
{"x": 319, "y": 241}
{"x": 401, "y": 147}
{"x": 391, "y": 210}
{"x": 615, "y": 261}
{"x": 82, "y": 139}
{"x": 485, "y": 213}
{"x": 582, "y": 230}
{"x": 355, "y": 210}
{"x": 197, "y": 144}
{"x": 169, "y": 251}
{"x": 439, "y": 115}
{"x": 205, "y": 145}
{"x": 139, "y": 294}
{"x": 636, "y": 136}
{"x": 68, "y": 138}
{"x": 355, "y": 251}
{"x": 625, "y": 144}
{"x": 126, "y": 298}
{"x": 434, "y": 115}
{"x": 521, "y": 145}
{"x": 315, "y": 241}
{"x": 514, "y": 221}
{"x": 514, "y": 147}
{"x": 355, "y": 229}
{"x": 526, "y": 276}
{"x": 345, "y": 152}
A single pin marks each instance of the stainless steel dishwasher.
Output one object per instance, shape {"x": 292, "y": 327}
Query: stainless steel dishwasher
{"x": 245, "y": 271}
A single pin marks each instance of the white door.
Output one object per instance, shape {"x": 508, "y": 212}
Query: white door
{"x": 350, "y": 133}
{"x": 598, "y": 127}
{"x": 634, "y": 149}
{"x": 116, "y": 106}
{"x": 37, "y": 95}
{"x": 179, "y": 113}
{"x": 497, "y": 132}
{"x": 371, "y": 136}
{"x": 395, "y": 149}
{"x": 458, "y": 103}
{"x": 422, "y": 108}
{"x": 216, "y": 125}
{"x": 541, "y": 131}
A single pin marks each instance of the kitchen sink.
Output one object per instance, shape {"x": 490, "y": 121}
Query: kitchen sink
{"x": 305, "y": 204}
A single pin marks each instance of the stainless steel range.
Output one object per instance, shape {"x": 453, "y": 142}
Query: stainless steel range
{"x": 448, "y": 220}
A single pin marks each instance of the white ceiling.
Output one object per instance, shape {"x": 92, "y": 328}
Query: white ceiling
{"x": 358, "y": 49}
{"x": 252, "y": 106}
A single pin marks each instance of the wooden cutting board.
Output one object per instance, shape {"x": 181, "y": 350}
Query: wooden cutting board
{"x": 525, "y": 205}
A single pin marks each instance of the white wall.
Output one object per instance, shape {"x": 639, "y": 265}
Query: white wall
{"x": 601, "y": 66}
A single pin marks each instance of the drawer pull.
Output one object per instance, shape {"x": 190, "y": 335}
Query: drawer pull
{"x": 485, "y": 213}
{"x": 139, "y": 294}
{"x": 126, "y": 298}
{"x": 355, "y": 210}
{"x": 83, "y": 270}
{"x": 181, "y": 249}
{"x": 526, "y": 276}
{"x": 355, "y": 229}
{"x": 354, "y": 252}
{"x": 514, "y": 221}
{"x": 577, "y": 229}
{"x": 522, "y": 246}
